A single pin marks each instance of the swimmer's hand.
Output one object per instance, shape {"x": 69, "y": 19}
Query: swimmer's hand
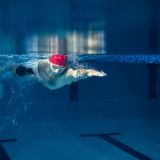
{"x": 75, "y": 75}
{"x": 96, "y": 73}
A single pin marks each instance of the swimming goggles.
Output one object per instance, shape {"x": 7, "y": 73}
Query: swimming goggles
{"x": 57, "y": 69}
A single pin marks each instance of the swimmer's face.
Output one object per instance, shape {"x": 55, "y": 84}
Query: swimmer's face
{"x": 57, "y": 70}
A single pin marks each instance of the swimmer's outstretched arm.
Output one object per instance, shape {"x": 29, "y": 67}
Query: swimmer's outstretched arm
{"x": 71, "y": 76}
{"x": 79, "y": 74}
{"x": 76, "y": 75}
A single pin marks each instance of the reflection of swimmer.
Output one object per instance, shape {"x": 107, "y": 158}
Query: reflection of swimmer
{"x": 54, "y": 73}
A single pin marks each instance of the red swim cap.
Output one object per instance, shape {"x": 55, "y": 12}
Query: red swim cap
{"x": 59, "y": 59}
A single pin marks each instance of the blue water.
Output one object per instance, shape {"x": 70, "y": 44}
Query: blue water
{"x": 47, "y": 125}
{"x": 133, "y": 59}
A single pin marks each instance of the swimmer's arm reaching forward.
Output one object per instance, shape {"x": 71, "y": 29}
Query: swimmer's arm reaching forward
{"x": 76, "y": 75}
{"x": 72, "y": 75}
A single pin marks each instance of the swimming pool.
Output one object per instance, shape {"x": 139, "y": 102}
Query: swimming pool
{"x": 115, "y": 117}
{"x": 95, "y": 118}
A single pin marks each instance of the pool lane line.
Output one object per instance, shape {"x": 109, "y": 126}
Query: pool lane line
{"x": 107, "y": 137}
{"x": 3, "y": 153}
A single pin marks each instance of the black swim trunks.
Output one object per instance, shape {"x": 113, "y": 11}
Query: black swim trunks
{"x": 22, "y": 71}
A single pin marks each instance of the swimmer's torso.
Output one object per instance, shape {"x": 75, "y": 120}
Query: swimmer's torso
{"x": 45, "y": 75}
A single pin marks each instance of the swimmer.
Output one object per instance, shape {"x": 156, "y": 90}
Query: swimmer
{"x": 54, "y": 72}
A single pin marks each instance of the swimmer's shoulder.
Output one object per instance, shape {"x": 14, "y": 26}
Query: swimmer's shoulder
{"x": 69, "y": 71}
{"x": 43, "y": 62}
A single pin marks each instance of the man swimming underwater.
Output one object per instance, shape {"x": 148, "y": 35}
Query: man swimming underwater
{"x": 54, "y": 72}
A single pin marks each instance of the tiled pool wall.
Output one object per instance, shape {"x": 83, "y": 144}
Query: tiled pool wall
{"x": 85, "y": 110}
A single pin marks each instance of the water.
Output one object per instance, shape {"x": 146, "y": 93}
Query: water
{"x": 133, "y": 59}
{"x": 20, "y": 59}
{"x": 47, "y": 125}
{"x": 116, "y": 117}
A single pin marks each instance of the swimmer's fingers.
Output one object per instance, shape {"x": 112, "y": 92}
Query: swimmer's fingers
{"x": 101, "y": 74}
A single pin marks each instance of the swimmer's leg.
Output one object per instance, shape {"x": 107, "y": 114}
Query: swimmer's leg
{"x": 19, "y": 70}
{"x": 7, "y": 68}
{"x": 7, "y": 72}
